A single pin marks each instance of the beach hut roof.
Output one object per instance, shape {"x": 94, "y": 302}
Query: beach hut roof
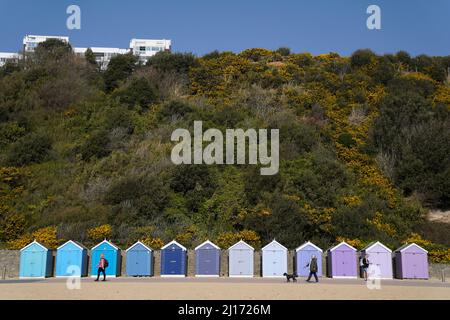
{"x": 108, "y": 242}
{"x": 175, "y": 243}
{"x": 35, "y": 242}
{"x": 274, "y": 242}
{"x": 342, "y": 243}
{"x": 241, "y": 242}
{"x": 142, "y": 244}
{"x": 370, "y": 245}
{"x": 407, "y": 245}
{"x": 76, "y": 243}
{"x": 207, "y": 242}
{"x": 308, "y": 243}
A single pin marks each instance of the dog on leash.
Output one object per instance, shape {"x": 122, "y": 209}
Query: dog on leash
{"x": 290, "y": 276}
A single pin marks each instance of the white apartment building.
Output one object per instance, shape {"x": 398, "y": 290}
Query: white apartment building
{"x": 30, "y": 42}
{"x": 102, "y": 55}
{"x": 8, "y": 56}
{"x": 142, "y": 48}
{"x": 145, "y": 48}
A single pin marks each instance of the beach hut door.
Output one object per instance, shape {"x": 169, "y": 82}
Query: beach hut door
{"x": 35, "y": 263}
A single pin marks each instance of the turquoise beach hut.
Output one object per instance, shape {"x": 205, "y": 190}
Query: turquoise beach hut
{"x": 111, "y": 253}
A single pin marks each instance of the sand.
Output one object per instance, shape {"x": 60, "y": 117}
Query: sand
{"x": 223, "y": 288}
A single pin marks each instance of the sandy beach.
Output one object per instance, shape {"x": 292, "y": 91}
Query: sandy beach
{"x": 221, "y": 288}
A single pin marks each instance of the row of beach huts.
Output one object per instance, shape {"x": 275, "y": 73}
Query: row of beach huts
{"x": 410, "y": 261}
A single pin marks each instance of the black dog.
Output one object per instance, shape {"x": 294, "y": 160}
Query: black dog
{"x": 290, "y": 276}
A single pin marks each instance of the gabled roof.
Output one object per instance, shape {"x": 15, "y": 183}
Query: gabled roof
{"x": 35, "y": 242}
{"x": 175, "y": 243}
{"x": 76, "y": 243}
{"x": 274, "y": 242}
{"x": 141, "y": 243}
{"x": 207, "y": 242}
{"x": 241, "y": 242}
{"x": 342, "y": 243}
{"x": 308, "y": 243}
{"x": 108, "y": 242}
{"x": 370, "y": 245}
{"x": 407, "y": 245}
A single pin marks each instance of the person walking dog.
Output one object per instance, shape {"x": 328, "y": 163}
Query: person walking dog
{"x": 312, "y": 268}
{"x": 102, "y": 265}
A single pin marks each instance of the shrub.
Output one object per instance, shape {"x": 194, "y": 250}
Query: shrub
{"x": 99, "y": 233}
{"x": 46, "y": 236}
{"x": 347, "y": 140}
{"x": 32, "y": 148}
{"x": 138, "y": 92}
{"x": 227, "y": 239}
{"x": 154, "y": 243}
{"x": 96, "y": 145}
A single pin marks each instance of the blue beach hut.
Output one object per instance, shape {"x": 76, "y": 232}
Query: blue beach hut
{"x": 303, "y": 256}
{"x": 36, "y": 261}
{"x": 207, "y": 260}
{"x": 173, "y": 260}
{"x": 139, "y": 260}
{"x": 71, "y": 260}
{"x": 111, "y": 253}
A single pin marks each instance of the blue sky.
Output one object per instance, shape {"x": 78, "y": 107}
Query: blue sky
{"x": 201, "y": 26}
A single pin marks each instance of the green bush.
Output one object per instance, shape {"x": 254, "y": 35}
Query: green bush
{"x": 32, "y": 148}
{"x": 96, "y": 145}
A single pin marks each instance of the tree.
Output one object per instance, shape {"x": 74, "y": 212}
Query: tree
{"x": 361, "y": 58}
{"x": 119, "y": 69}
{"x": 173, "y": 62}
{"x": 90, "y": 57}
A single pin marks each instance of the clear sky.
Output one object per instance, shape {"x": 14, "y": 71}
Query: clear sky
{"x": 201, "y": 26}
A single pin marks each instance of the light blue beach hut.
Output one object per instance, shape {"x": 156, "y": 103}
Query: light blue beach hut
{"x": 36, "y": 261}
{"x": 139, "y": 260}
{"x": 240, "y": 260}
{"x": 274, "y": 260}
{"x": 71, "y": 260}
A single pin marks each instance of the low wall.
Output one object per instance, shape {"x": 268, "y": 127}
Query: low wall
{"x": 9, "y": 264}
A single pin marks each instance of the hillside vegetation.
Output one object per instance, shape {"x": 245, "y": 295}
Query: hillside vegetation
{"x": 364, "y": 149}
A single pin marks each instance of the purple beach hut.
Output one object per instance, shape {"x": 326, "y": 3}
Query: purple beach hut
{"x": 341, "y": 261}
{"x": 380, "y": 258}
{"x": 411, "y": 262}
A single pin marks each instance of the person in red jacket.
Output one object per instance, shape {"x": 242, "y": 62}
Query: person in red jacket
{"x": 101, "y": 267}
